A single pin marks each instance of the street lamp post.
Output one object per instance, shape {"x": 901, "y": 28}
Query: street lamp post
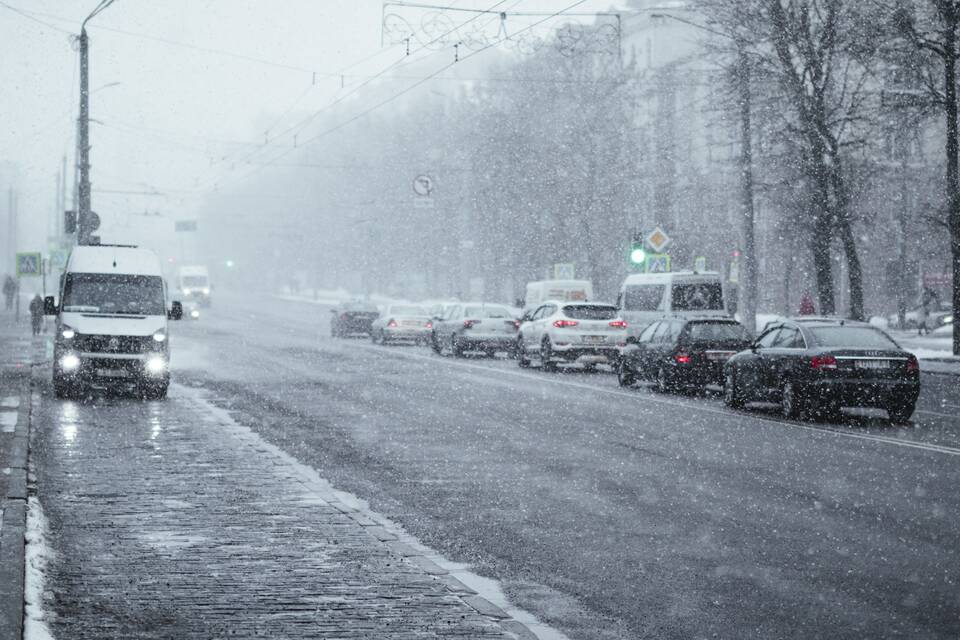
{"x": 84, "y": 218}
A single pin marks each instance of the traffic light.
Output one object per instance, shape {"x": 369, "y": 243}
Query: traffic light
{"x": 637, "y": 253}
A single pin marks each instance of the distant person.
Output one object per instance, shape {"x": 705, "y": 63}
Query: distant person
{"x": 9, "y": 290}
{"x": 806, "y": 305}
{"x": 928, "y": 302}
{"x": 36, "y": 314}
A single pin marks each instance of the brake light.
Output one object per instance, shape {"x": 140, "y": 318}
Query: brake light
{"x": 913, "y": 364}
{"x": 468, "y": 324}
{"x": 516, "y": 325}
{"x": 823, "y": 362}
{"x": 429, "y": 325}
{"x": 392, "y": 323}
{"x": 618, "y": 324}
{"x": 682, "y": 358}
{"x": 564, "y": 324}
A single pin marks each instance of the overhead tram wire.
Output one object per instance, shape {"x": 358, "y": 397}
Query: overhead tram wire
{"x": 397, "y": 95}
{"x": 28, "y": 16}
{"x": 310, "y": 118}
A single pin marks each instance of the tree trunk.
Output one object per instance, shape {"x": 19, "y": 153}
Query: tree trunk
{"x": 822, "y": 264}
{"x": 953, "y": 187}
{"x": 855, "y": 276}
{"x": 750, "y": 275}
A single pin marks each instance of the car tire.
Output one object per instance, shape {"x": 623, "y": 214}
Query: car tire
{"x": 491, "y": 353}
{"x": 901, "y": 413}
{"x": 435, "y": 345}
{"x": 827, "y": 411}
{"x": 520, "y": 352}
{"x": 456, "y": 349}
{"x": 663, "y": 382}
{"x": 625, "y": 377}
{"x": 383, "y": 339}
{"x": 732, "y": 395}
{"x": 547, "y": 362}
{"x": 791, "y": 404}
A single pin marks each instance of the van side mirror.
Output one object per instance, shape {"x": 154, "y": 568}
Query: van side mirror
{"x": 176, "y": 311}
{"x": 49, "y": 306}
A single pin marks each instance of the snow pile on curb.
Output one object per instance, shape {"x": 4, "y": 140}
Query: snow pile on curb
{"x": 38, "y": 554}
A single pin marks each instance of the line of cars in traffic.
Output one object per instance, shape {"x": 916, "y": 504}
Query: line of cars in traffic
{"x": 671, "y": 330}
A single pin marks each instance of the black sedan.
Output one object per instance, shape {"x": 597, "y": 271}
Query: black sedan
{"x": 815, "y": 368}
{"x": 682, "y": 353}
{"x": 352, "y": 318}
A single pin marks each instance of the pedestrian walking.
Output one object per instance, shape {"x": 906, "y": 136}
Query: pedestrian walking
{"x": 9, "y": 289}
{"x": 927, "y": 303}
{"x": 36, "y": 314}
{"x": 806, "y": 305}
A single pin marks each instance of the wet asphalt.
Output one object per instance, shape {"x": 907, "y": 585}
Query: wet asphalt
{"x": 609, "y": 513}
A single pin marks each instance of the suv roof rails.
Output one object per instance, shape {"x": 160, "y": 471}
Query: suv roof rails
{"x": 124, "y": 246}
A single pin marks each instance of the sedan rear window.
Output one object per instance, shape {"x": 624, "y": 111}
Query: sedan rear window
{"x": 856, "y": 337}
{"x": 590, "y": 312}
{"x": 487, "y": 312}
{"x": 408, "y": 311}
{"x": 716, "y": 332}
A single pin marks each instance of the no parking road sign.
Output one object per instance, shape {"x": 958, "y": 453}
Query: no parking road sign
{"x": 29, "y": 264}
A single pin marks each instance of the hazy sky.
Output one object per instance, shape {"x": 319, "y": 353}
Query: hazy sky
{"x": 229, "y": 69}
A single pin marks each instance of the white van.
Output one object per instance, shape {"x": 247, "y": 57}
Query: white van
{"x": 112, "y": 322}
{"x": 562, "y": 290}
{"x": 645, "y": 297}
{"x": 193, "y": 283}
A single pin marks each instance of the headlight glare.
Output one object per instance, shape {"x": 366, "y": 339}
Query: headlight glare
{"x": 159, "y": 336}
{"x": 67, "y": 333}
{"x": 70, "y": 362}
{"x": 156, "y": 365}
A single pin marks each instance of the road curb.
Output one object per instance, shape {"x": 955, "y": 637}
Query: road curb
{"x": 14, "y": 527}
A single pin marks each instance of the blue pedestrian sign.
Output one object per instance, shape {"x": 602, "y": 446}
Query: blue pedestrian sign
{"x": 29, "y": 264}
{"x": 658, "y": 263}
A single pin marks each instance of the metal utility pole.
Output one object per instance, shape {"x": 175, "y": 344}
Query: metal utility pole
{"x": 85, "y": 220}
{"x": 748, "y": 307}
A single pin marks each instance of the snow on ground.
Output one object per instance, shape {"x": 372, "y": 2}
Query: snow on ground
{"x": 38, "y": 553}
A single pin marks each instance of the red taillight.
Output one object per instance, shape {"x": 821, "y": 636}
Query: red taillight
{"x": 682, "y": 358}
{"x": 344, "y": 317}
{"x": 516, "y": 325}
{"x": 563, "y": 324}
{"x": 392, "y": 323}
{"x": 823, "y": 362}
{"x": 429, "y": 325}
{"x": 618, "y": 324}
{"x": 468, "y": 324}
{"x": 913, "y": 364}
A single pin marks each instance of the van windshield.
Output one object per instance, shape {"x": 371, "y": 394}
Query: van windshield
{"x": 701, "y": 296}
{"x": 643, "y": 297}
{"x": 114, "y": 293}
{"x": 194, "y": 281}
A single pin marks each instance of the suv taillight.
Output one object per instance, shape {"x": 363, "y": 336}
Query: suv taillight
{"x": 823, "y": 362}
{"x": 565, "y": 324}
{"x": 618, "y": 324}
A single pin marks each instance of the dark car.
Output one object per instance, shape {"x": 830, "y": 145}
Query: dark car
{"x": 682, "y": 353}
{"x": 352, "y": 318}
{"x": 815, "y": 368}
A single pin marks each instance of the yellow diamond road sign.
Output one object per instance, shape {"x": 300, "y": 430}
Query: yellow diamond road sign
{"x": 658, "y": 240}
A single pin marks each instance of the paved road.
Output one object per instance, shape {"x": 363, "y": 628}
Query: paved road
{"x": 611, "y": 513}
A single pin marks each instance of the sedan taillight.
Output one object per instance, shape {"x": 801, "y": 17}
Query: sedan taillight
{"x": 912, "y": 363}
{"x": 565, "y": 324}
{"x": 682, "y": 358}
{"x": 392, "y": 323}
{"x": 823, "y": 362}
{"x": 429, "y": 325}
{"x": 468, "y": 324}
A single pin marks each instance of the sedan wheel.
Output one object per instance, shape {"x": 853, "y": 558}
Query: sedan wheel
{"x": 455, "y": 348}
{"x": 732, "y": 397}
{"x": 790, "y": 404}
{"x": 625, "y": 377}
{"x": 663, "y": 381}
{"x": 900, "y": 413}
{"x": 521, "y": 354}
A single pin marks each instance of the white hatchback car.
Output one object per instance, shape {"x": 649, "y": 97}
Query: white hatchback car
{"x": 587, "y": 333}
{"x": 402, "y": 323}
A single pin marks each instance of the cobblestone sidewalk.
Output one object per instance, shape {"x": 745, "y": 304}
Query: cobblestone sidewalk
{"x": 166, "y": 520}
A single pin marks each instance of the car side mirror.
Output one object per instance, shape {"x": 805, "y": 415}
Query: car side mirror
{"x": 176, "y": 311}
{"x": 49, "y": 306}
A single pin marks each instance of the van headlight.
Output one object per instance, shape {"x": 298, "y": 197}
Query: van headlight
{"x": 67, "y": 333}
{"x": 159, "y": 336}
{"x": 69, "y": 362}
{"x": 206, "y": 291}
{"x": 156, "y": 365}
{"x": 194, "y": 314}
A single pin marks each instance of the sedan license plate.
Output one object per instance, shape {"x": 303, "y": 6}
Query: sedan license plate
{"x": 410, "y": 323}
{"x": 872, "y": 364}
{"x": 594, "y": 339}
{"x": 111, "y": 373}
{"x": 719, "y": 355}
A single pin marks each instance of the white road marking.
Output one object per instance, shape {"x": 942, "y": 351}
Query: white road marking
{"x": 898, "y": 442}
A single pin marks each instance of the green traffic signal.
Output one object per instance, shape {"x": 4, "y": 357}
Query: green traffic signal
{"x": 637, "y": 254}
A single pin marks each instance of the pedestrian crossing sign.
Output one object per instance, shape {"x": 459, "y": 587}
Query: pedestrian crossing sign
{"x": 658, "y": 263}
{"x": 29, "y": 264}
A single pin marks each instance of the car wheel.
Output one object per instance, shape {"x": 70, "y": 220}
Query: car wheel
{"x": 900, "y": 413}
{"x": 827, "y": 411}
{"x": 663, "y": 382}
{"x": 791, "y": 405}
{"x": 434, "y": 344}
{"x": 61, "y": 389}
{"x": 491, "y": 353}
{"x": 732, "y": 396}
{"x": 456, "y": 350}
{"x": 521, "y": 354}
{"x": 547, "y": 363}
{"x": 625, "y": 377}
